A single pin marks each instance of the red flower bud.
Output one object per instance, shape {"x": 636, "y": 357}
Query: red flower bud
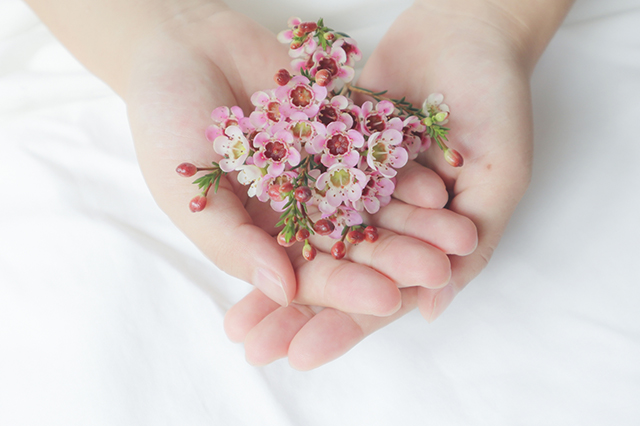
{"x": 371, "y": 234}
{"x": 339, "y": 250}
{"x": 324, "y": 227}
{"x": 282, "y": 77}
{"x": 329, "y": 36}
{"x": 323, "y": 77}
{"x": 186, "y": 169}
{"x": 282, "y": 240}
{"x": 302, "y": 234}
{"x": 298, "y": 32}
{"x": 302, "y": 194}
{"x": 285, "y": 188}
{"x": 355, "y": 236}
{"x": 198, "y": 203}
{"x": 309, "y": 252}
{"x": 295, "y": 45}
{"x": 453, "y": 157}
{"x": 308, "y": 27}
{"x": 274, "y": 193}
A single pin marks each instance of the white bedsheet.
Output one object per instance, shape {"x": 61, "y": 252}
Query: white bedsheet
{"x": 110, "y": 316}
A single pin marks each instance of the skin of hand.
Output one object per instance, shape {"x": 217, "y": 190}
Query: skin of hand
{"x": 208, "y": 58}
{"x": 482, "y": 63}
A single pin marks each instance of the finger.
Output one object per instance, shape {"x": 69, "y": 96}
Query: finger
{"x": 442, "y": 228}
{"x": 331, "y": 333}
{"x": 344, "y": 285}
{"x": 269, "y": 340}
{"x": 246, "y": 314}
{"x": 420, "y": 186}
{"x": 407, "y": 261}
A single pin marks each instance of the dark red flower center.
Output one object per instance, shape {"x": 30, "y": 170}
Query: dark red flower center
{"x": 301, "y": 96}
{"x": 338, "y": 145}
{"x": 327, "y": 114}
{"x": 328, "y": 64}
{"x": 275, "y": 151}
{"x": 375, "y": 123}
{"x": 273, "y": 111}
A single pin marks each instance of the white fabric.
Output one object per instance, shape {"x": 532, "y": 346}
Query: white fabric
{"x": 110, "y": 316}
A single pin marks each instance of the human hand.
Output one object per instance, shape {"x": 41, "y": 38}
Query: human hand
{"x": 484, "y": 73}
{"x": 209, "y": 57}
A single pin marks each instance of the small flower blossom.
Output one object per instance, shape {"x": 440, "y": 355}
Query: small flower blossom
{"x": 379, "y": 118}
{"x": 376, "y": 194}
{"x": 334, "y": 61}
{"x": 340, "y": 184}
{"x": 306, "y": 47}
{"x": 350, "y": 47}
{"x": 267, "y": 110}
{"x": 414, "y": 137}
{"x": 299, "y": 96}
{"x": 337, "y": 145}
{"x": 435, "y": 110}
{"x": 384, "y": 154}
{"x": 304, "y": 130}
{"x": 335, "y": 109}
{"x": 251, "y": 175}
{"x": 274, "y": 149}
{"x": 344, "y": 216}
{"x": 234, "y": 146}
{"x": 224, "y": 117}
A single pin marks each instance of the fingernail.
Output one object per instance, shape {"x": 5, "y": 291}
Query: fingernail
{"x": 270, "y": 284}
{"x": 441, "y": 301}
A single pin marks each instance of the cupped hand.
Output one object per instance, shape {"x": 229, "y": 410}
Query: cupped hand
{"x": 210, "y": 56}
{"x": 483, "y": 71}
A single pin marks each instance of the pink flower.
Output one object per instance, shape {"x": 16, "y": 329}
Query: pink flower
{"x": 350, "y": 47}
{"x": 384, "y": 154}
{"x": 267, "y": 110}
{"x": 376, "y": 194}
{"x": 340, "y": 183}
{"x": 234, "y": 146}
{"x": 334, "y": 61}
{"x": 223, "y": 117}
{"x": 344, "y": 216}
{"x": 379, "y": 119}
{"x": 274, "y": 148}
{"x": 299, "y": 96}
{"x": 303, "y": 130}
{"x": 337, "y": 145}
{"x": 308, "y": 45}
{"x": 264, "y": 183}
{"x": 335, "y": 109}
{"x": 414, "y": 136}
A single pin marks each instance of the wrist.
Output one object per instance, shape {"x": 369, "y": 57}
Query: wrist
{"x": 104, "y": 35}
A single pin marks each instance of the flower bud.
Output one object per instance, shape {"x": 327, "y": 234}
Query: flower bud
{"x": 282, "y": 77}
{"x": 453, "y": 157}
{"x": 303, "y": 234}
{"x": 198, "y": 203}
{"x": 355, "y": 236}
{"x": 308, "y": 27}
{"x": 295, "y": 45}
{"x": 282, "y": 240}
{"x": 298, "y": 32}
{"x": 274, "y": 193}
{"x": 324, "y": 227}
{"x": 371, "y": 234}
{"x": 309, "y": 252}
{"x": 329, "y": 36}
{"x": 427, "y": 121}
{"x": 441, "y": 116}
{"x": 323, "y": 77}
{"x": 302, "y": 194}
{"x": 339, "y": 250}
{"x": 186, "y": 169}
{"x": 285, "y": 188}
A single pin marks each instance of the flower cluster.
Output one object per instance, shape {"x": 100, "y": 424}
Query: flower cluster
{"x": 311, "y": 152}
